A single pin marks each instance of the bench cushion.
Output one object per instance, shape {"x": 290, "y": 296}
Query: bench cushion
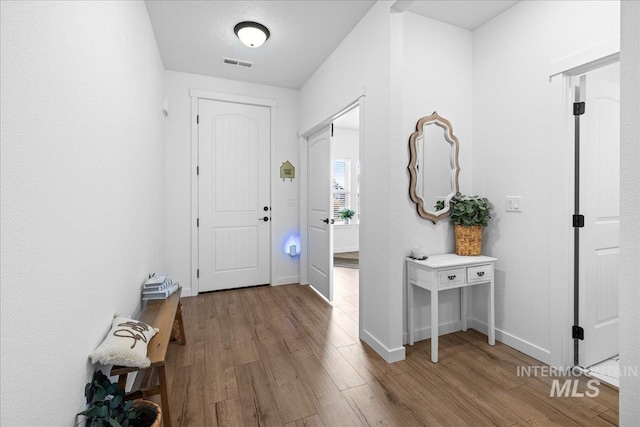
{"x": 125, "y": 344}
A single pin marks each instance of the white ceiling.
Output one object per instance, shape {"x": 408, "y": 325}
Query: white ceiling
{"x": 467, "y": 14}
{"x": 193, "y": 36}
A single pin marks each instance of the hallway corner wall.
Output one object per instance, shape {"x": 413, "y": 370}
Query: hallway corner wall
{"x": 630, "y": 214}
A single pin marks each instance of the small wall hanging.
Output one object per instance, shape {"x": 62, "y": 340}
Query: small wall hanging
{"x": 287, "y": 170}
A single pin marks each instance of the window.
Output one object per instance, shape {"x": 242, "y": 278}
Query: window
{"x": 341, "y": 188}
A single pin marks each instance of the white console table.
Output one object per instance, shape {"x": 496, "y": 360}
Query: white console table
{"x": 448, "y": 271}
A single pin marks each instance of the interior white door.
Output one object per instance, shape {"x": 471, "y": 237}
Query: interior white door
{"x": 600, "y": 205}
{"x": 319, "y": 214}
{"x": 234, "y": 195}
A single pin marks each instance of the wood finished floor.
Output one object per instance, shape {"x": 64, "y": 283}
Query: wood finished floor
{"x": 346, "y": 260}
{"x": 282, "y": 356}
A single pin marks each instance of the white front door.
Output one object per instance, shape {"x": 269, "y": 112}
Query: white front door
{"x": 234, "y": 199}
{"x": 319, "y": 214}
{"x": 600, "y": 205}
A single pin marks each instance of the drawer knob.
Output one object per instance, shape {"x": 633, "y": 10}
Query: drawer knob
{"x": 480, "y": 273}
{"x": 452, "y": 277}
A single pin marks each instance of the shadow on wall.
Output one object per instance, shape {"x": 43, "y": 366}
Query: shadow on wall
{"x": 491, "y": 235}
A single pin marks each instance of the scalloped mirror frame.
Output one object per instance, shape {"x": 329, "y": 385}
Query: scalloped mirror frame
{"x": 413, "y": 161}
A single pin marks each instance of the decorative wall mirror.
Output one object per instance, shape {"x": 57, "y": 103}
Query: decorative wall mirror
{"x": 433, "y": 167}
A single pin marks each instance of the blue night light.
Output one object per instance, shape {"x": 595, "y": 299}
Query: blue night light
{"x": 292, "y": 246}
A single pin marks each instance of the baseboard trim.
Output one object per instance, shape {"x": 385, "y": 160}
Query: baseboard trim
{"x": 342, "y": 250}
{"x": 286, "y": 280}
{"x": 389, "y": 355}
{"x": 425, "y": 333}
{"x": 519, "y": 344}
{"x": 186, "y": 292}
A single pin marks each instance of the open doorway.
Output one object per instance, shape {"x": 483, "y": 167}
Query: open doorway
{"x": 321, "y": 215}
{"x": 598, "y": 232}
{"x": 345, "y": 167}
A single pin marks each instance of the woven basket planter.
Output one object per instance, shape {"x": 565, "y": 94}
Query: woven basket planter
{"x": 143, "y": 402}
{"x": 468, "y": 240}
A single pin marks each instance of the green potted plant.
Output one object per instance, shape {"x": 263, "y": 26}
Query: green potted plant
{"x": 346, "y": 215}
{"x": 469, "y": 214}
{"x": 107, "y": 406}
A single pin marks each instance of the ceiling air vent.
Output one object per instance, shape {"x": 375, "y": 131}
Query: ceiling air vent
{"x": 237, "y": 62}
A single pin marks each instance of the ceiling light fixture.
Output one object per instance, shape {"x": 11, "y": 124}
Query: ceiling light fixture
{"x": 251, "y": 34}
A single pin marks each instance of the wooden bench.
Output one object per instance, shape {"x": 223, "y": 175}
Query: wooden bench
{"x": 160, "y": 314}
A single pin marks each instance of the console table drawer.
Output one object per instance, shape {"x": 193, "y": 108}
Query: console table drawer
{"x": 448, "y": 278}
{"x": 480, "y": 273}
{"x": 419, "y": 276}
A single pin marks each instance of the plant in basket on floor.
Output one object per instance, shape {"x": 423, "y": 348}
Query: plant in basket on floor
{"x": 106, "y": 406}
{"x": 469, "y": 214}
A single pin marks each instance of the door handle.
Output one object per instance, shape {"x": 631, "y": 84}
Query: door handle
{"x": 326, "y": 221}
{"x": 265, "y": 219}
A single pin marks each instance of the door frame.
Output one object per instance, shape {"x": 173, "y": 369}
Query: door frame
{"x": 272, "y": 104}
{"x": 561, "y": 264}
{"x": 304, "y": 223}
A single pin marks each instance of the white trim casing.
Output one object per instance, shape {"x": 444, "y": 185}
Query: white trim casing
{"x": 561, "y": 353}
{"x": 303, "y": 139}
{"x": 196, "y": 95}
{"x": 363, "y": 186}
{"x": 195, "y": 287}
{"x": 589, "y": 59}
{"x": 237, "y": 99}
{"x": 561, "y": 252}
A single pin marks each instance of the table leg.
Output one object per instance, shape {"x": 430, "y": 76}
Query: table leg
{"x": 463, "y": 308}
{"x": 410, "y": 314}
{"x": 164, "y": 397}
{"x": 183, "y": 338}
{"x": 492, "y": 314}
{"x": 434, "y": 324}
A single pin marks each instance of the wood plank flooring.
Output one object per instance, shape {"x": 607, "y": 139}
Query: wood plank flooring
{"x": 282, "y": 356}
{"x": 346, "y": 259}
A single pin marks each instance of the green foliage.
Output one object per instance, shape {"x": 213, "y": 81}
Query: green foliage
{"x": 346, "y": 214}
{"x": 106, "y": 405}
{"x": 470, "y": 210}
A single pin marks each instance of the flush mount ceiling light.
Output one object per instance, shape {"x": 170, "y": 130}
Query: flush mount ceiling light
{"x": 251, "y": 34}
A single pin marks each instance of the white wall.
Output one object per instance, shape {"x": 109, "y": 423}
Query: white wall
{"x": 436, "y": 76}
{"x": 400, "y": 88}
{"x": 513, "y": 151}
{"x": 82, "y": 192}
{"x": 630, "y": 213}
{"x": 360, "y": 65}
{"x": 178, "y": 170}
{"x": 345, "y": 145}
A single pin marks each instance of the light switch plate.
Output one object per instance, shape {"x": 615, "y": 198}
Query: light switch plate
{"x": 514, "y": 203}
